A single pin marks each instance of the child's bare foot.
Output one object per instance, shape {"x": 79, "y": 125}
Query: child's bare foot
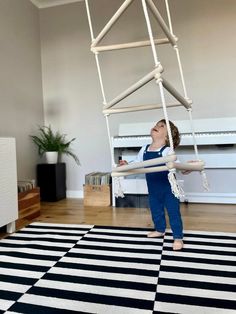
{"x": 178, "y": 245}
{"x": 155, "y": 234}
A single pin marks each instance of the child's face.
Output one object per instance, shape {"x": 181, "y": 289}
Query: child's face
{"x": 159, "y": 131}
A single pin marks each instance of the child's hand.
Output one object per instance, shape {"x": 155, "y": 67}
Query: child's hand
{"x": 123, "y": 162}
{"x": 188, "y": 171}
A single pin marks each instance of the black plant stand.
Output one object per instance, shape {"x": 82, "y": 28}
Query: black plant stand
{"x": 51, "y": 178}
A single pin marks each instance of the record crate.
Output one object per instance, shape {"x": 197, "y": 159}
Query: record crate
{"x": 97, "y": 195}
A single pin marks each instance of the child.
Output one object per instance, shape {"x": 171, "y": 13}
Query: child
{"x": 159, "y": 189}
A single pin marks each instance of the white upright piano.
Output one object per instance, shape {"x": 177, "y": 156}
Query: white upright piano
{"x": 216, "y": 140}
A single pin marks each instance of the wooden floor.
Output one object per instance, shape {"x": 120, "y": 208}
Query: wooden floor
{"x": 195, "y": 216}
{"x": 208, "y": 217}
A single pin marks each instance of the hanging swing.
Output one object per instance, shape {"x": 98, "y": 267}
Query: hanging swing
{"x": 154, "y": 165}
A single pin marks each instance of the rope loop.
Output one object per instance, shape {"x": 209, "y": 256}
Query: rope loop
{"x": 175, "y": 187}
{"x": 118, "y": 190}
{"x": 205, "y": 181}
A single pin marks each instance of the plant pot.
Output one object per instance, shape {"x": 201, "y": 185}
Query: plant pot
{"x": 51, "y": 157}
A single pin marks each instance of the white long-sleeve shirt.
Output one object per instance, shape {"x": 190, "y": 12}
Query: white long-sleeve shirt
{"x": 166, "y": 151}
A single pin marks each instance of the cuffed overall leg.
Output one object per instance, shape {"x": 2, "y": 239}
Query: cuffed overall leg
{"x": 157, "y": 210}
{"x": 173, "y": 208}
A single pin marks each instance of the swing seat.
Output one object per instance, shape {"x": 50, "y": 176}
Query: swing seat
{"x": 170, "y": 161}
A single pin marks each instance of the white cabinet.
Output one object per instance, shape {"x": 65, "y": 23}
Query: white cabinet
{"x": 8, "y": 184}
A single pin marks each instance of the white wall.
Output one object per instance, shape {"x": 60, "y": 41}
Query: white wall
{"x": 21, "y": 103}
{"x": 72, "y": 96}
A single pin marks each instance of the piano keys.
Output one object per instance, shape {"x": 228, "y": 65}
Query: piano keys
{"x": 213, "y": 138}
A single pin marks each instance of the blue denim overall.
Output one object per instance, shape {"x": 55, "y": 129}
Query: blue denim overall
{"x": 161, "y": 197}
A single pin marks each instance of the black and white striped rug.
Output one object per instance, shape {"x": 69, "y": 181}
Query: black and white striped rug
{"x": 57, "y": 268}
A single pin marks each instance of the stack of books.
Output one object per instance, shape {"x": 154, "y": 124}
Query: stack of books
{"x": 98, "y": 178}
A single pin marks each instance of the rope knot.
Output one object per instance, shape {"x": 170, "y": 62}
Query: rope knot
{"x": 205, "y": 181}
{"x": 175, "y": 187}
{"x": 118, "y": 191}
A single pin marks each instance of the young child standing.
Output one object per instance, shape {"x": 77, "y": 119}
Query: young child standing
{"x": 159, "y": 189}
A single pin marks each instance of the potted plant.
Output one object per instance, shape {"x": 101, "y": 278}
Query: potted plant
{"x": 53, "y": 143}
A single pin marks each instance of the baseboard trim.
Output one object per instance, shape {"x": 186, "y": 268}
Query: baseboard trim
{"x": 211, "y": 198}
{"x": 74, "y": 194}
{"x": 218, "y": 198}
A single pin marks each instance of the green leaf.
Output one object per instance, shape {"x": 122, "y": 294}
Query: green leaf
{"x": 47, "y": 140}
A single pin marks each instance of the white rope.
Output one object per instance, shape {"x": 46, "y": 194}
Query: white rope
{"x": 158, "y": 75}
{"x": 110, "y": 142}
{"x": 171, "y": 175}
{"x": 89, "y": 20}
{"x": 181, "y": 71}
{"x": 203, "y": 173}
{"x": 95, "y": 53}
{"x": 182, "y": 80}
{"x": 193, "y": 134}
{"x": 168, "y": 16}
{"x": 166, "y": 114}
{"x": 176, "y": 50}
{"x": 117, "y": 187}
{"x": 175, "y": 187}
{"x": 205, "y": 181}
{"x": 118, "y": 191}
{"x": 145, "y": 11}
{"x": 185, "y": 93}
{"x": 100, "y": 78}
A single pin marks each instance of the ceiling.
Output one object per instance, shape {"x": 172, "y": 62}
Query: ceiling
{"x": 51, "y": 3}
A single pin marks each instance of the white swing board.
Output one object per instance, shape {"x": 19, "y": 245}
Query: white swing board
{"x": 146, "y": 163}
